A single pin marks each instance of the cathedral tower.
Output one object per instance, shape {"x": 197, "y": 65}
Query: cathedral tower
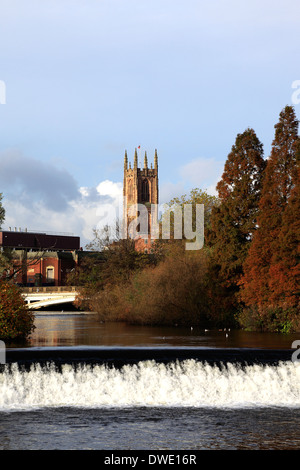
{"x": 140, "y": 187}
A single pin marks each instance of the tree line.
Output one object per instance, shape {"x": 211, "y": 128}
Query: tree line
{"x": 247, "y": 273}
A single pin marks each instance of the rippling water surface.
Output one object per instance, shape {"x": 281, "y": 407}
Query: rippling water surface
{"x": 181, "y": 406}
{"x": 143, "y": 428}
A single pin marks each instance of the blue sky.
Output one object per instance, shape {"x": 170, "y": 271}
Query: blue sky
{"x": 87, "y": 79}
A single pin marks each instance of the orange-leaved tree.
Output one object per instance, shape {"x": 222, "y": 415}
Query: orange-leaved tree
{"x": 271, "y": 268}
{"x": 16, "y": 320}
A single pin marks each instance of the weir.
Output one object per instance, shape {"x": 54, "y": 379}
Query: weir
{"x": 95, "y": 379}
{"x": 121, "y": 356}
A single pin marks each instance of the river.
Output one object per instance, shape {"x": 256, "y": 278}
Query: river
{"x": 62, "y": 329}
{"x": 188, "y": 405}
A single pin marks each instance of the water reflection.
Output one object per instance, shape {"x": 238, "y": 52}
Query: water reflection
{"x": 56, "y": 329}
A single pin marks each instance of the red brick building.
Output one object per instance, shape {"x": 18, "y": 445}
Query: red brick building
{"x": 40, "y": 259}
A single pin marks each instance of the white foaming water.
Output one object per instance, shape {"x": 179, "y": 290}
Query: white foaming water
{"x": 188, "y": 383}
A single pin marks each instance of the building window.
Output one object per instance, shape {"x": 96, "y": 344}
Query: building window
{"x": 145, "y": 191}
{"x": 50, "y": 274}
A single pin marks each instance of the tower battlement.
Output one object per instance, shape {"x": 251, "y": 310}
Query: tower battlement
{"x": 136, "y": 164}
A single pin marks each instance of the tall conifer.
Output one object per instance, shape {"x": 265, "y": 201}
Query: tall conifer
{"x": 234, "y": 221}
{"x": 284, "y": 273}
{"x": 276, "y": 224}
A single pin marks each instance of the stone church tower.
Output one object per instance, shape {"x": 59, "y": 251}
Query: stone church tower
{"x": 140, "y": 187}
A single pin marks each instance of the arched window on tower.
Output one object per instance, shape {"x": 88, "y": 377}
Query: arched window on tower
{"x": 145, "y": 191}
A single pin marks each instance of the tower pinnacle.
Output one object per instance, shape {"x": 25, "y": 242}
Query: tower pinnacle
{"x": 145, "y": 161}
{"x": 155, "y": 160}
{"x": 135, "y": 165}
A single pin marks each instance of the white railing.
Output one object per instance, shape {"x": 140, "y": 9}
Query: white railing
{"x": 50, "y": 289}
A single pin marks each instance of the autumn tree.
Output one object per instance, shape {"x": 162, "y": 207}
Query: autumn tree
{"x": 271, "y": 267}
{"x": 172, "y": 293}
{"x": 233, "y": 221}
{"x": 284, "y": 272}
{"x": 16, "y": 320}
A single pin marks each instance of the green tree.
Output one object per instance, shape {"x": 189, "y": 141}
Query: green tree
{"x": 233, "y": 221}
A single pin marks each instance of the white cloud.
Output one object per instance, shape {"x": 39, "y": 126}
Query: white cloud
{"x": 79, "y": 217}
{"x": 89, "y": 213}
{"x": 109, "y": 188}
{"x": 41, "y": 197}
{"x": 84, "y": 191}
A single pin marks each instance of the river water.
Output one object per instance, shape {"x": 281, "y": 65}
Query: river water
{"x": 187, "y": 405}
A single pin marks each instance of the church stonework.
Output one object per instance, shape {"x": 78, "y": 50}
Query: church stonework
{"x": 140, "y": 187}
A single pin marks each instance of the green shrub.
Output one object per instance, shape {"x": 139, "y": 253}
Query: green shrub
{"x": 273, "y": 319}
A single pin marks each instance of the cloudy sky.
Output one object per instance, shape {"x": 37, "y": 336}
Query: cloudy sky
{"x": 83, "y": 80}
